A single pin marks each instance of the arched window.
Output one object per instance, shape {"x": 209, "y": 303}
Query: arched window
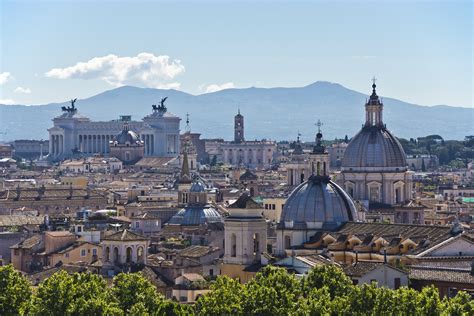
{"x": 324, "y": 168}
{"x": 302, "y": 178}
{"x": 233, "y": 245}
{"x": 107, "y": 254}
{"x": 318, "y": 168}
{"x": 287, "y": 242}
{"x": 116, "y": 255}
{"x": 256, "y": 244}
{"x": 129, "y": 255}
{"x": 140, "y": 255}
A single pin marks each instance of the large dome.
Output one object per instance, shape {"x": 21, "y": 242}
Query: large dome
{"x": 196, "y": 215}
{"x": 374, "y": 147}
{"x": 317, "y": 203}
{"x": 127, "y": 136}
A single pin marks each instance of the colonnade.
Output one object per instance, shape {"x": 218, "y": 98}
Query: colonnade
{"x": 92, "y": 144}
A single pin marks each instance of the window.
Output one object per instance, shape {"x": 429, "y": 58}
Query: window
{"x": 287, "y": 242}
{"x": 94, "y": 252}
{"x": 211, "y": 272}
{"x": 355, "y": 282}
{"x": 233, "y": 243}
{"x": 137, "y": 224}
{"x": 397, "y": 283}
{"x": 66, "y": 255}
{"x": 83, "y": 252}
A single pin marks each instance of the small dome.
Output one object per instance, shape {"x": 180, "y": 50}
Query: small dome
{"x": 196, "y": 215}
{"x": 127, "y": 136}
{"x": 374, "y": 147}
{"x": 317, "y": 203}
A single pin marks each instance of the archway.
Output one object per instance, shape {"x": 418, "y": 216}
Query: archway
{"x": 129, "y": 255}
{"x": 107, "y": 254}
{"x": 116, "y": 255}
{"x": 140, "y": 255}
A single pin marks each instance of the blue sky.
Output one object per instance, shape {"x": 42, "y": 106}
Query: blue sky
{"x": 420, "y": 51}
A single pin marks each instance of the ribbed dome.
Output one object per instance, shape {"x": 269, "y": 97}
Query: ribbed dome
{"x": 317, "y": 203}
{"x": 374, "y": 147}
{"x": 196, "y": 215}
{"x": 127, "y": 136}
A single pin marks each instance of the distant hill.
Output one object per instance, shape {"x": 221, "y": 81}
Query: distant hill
{"x": 274, "y": 113}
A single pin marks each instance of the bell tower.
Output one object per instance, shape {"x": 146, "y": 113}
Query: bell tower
{"x": 374, "y": 109}
{"x": 319, "y": 157}
{"x": 239, "y": 128}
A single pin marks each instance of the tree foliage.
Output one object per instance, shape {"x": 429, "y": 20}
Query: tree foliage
{"x": 326, "y": 290}
{"x": 15, "y": 291}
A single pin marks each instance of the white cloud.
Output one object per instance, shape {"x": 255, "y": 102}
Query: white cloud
{"x": 4, "y": 77}
{"x": 7, "y": 101}
{"x": 145, "y": 69}
{"x": 217, "y": 87}
{"x": 22, "y": 90}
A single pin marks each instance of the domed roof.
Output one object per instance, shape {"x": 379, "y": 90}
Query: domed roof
{"x": 196, "y": 215}
{"x": 127, "y": 136}
{"x": 374, "y": 147}
{"x": 317, "y": 203}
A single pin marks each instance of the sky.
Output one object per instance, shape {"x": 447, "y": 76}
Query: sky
{"x": 420, "y": 51}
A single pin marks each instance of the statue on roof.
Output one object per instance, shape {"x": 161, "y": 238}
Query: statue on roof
{"x": 161, "y": 109}
{"x": 70, "y": 109}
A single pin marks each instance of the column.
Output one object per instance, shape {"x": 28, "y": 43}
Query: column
{"x": 50, "y": 145}
{"x": 152, "y": 145}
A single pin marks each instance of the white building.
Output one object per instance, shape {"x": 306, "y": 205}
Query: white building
{"x": 74, "y": 133}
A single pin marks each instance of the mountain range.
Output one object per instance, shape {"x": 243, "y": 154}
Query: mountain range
{"x": 271, "y": 113}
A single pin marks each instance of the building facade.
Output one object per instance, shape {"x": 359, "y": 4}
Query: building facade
{"x": 73, "y": 133}
{"x": 251, "y": 154}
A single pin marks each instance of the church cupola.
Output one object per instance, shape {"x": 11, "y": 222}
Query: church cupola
{"x": 319, "y": 158}
{"x": 239, "y": 128}
{"x": 374, "y": 109}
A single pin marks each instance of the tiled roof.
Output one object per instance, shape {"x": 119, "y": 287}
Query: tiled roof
{"x": 20, "y": 220}
{"x": 193, "y": 277}
{"x": 434, "y": 234}
{"x": 125, "y": 235}
{"x": 48, "y": 194}
{"x": 197, "y": 251}
{"x": 153, "y": 161}
{"x": 455, "y": 275}
{"x": 29, "y": 243}
{"x": 361, "y": 268}
{"x": 155, "y": 278}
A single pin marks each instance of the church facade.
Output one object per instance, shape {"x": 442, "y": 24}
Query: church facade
{"x": 75, "y": 134}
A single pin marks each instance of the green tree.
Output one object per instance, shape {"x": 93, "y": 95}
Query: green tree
{"x": 461, "y": 304}
{"x": 77, "y": 294}
{"x": 273, "y": 291}
{"x": 330, "y": 276}
{"x": 15, "y": 291}
{"x": 428, "y": 302}
{"x": 133, "y": 288}
{"x": 226, "y": 298}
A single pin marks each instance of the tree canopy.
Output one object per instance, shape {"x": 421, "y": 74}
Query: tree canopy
{"x": 326, "y": 290}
